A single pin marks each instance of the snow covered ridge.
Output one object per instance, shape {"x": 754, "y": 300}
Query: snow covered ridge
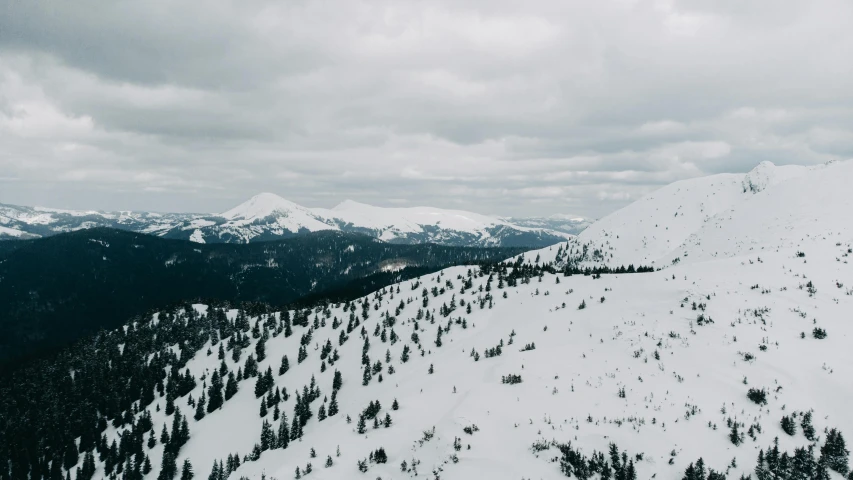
{"x": 722, "y": 215}
{"x": 494, "y": 374}
{"x": 269, "y": 217}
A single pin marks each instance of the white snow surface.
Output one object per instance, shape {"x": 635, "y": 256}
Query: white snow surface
{"x": 673, "y": 221}
{"x": 640, "y": 332}
{"x": 197, "y": 236}
{"x": 12, "y": 232}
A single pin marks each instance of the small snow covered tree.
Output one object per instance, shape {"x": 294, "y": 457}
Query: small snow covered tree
{"x": 361, "y": 427}
{"x": 285, "y": 365}
{"x": 789, "y": 426}
{"x": 808, "y": 428}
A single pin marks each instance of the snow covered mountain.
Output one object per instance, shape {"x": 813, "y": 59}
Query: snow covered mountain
{"x": 669, "y": 224}
{"x": 735, "y": 358}
{"x": 572, "y": 224}
{"x": 269, "y": 217}
{"x": 17, "y": 222}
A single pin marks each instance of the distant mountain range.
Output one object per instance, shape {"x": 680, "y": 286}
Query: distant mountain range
{"x": 572, "y": 224}
{"x": 267, "y": 217}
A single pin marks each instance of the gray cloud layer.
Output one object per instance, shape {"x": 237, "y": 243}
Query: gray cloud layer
{"x": 516, "y": 108}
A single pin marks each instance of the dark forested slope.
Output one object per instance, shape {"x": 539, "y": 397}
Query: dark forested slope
{"x": 54, "y": 290}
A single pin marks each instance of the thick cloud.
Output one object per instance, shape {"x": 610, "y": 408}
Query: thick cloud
{"x": 513, "y": 108}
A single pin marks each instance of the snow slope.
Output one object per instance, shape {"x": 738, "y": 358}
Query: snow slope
{"x": 684, "y": 344}
{"x": 12, "y": 232}
{"x": 652, "y": 230}
{"x": 570, "y": 381}
{"x": 799, "y": 212}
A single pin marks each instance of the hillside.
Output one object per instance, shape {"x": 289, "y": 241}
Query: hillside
{"x": 793, "y": 214}
{"x": 738, "y": 363}
{"x": 56, "y": 289}
{"x": 267, "y": 216}
{"x": 683, "y": 378}
{"x": 650, "y": 229}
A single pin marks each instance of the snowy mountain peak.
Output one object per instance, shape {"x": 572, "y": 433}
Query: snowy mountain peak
{"x": 766, "y": 174}
{"x": 260, "y": 206}
{"x": 348, "y": 205}
{"x": 722, "y": 215}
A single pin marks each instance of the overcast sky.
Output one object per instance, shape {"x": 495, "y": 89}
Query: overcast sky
{"x": 502, "y": 107}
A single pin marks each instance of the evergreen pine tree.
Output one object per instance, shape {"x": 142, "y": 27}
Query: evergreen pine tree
{"x": 734, "y": 435}
{"x": 199, "y": 410}
{"x": 164, "y": 435}
{"x": 187, "y": 471}
{"x": 170, "y": 401}
{"x": 260, "y": 350}
{"x": 230, "y": 386}
{"x": 333, "y": 405}
{"x": 361, "y": 427}
{"x": 214, "y": 392}
{"x": 365, "y": 378}
{"x": 269, "y": 382}
{"x": 808, "y": 428}
{"x": 295, "y": 428}
{"x": 834, "y": 452}
{"x": 283, "y": 433}
{"x": 168, "y": 468}
{"x": 337, "y": 382}
{"x": 285, "y": 365}
{"x": 788, "y": 425}
{"x": 267, "y": 436}
{"x": 215, "y": 472}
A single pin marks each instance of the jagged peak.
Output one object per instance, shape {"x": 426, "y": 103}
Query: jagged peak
{"x": 766, "y": 174}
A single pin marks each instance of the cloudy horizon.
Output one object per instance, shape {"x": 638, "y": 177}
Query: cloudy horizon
{"x": 503, "y": 108}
